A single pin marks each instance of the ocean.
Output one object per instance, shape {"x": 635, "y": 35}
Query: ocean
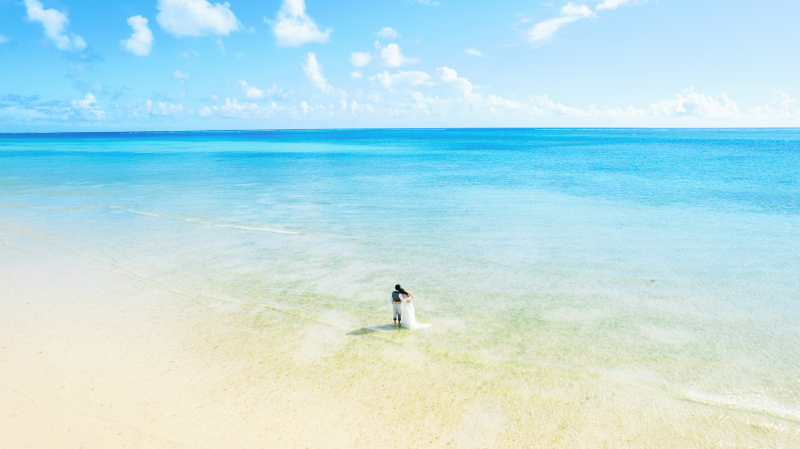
{"x": 665, "y": 261}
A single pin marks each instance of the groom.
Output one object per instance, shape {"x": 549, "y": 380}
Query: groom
{"x": 397, "y": 305}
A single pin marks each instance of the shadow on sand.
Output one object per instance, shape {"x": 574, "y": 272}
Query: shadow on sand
{"x": 372, "y": 329}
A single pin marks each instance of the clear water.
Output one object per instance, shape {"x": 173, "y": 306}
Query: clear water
{"x": 666, "y": 257}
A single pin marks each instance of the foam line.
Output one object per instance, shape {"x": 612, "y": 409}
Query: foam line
{"x": 243, "y": 228}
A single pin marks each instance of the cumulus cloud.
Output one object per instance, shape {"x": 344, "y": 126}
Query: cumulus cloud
{"x": 356, "y": 74}
{"x": 88, "y": 106}
{"x": 141, "y": 40}
{"x": 86, "y": 103}
{"x": 293, "y": 27}
{"x": 254, "y": 93}
{"x": 360, "y": 59}
{"x": 473, "y": 52}
{"x": 686, "y": 109}
{"x": 54, "y": 23}
{"x": 449, "y": 75}
{"x": 196, "y": 17}
{"x": 690, "y": 103}
{"x": 163, "y": 109}
{"x": 407, "y": 105}
{"x": 178, "y": 75}
{"x": 389, "y": 33}
{"x": 785, "y": 105}
{"x": 392, "y": 56}
{"x": 390, "y": 81}
{"x": 3, "y": 39}
{"x": 251, "y": 92}
{"x": 235, "y": 109}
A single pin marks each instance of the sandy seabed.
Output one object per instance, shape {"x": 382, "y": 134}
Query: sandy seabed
{"x": 94, "y": 357}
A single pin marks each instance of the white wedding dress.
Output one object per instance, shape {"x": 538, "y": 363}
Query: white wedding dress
{"x": 410, "y": 319}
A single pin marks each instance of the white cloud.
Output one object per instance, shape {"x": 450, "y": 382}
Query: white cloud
{"x": 252, "y": 93}
{"x": 355, "y": 107}
{"x": 88, "y": 106}
{"x": 393, "y": 57}
{"x": 207, "y": 111}
{"x": 412, "y": 78}
{"x": 430, "y": 105}
{"x": 356, "y": 74}
{"x": 462, "y": 106}
{"x": 612, "y": 4}
{"x": 294, "y": 27}
{"x": 313, "y": 71}
{"x": 360, "y": 59}
{"x": 196, "y": 17}
{"x": 236, "y": 109}
{"x": 786, "y": 105}
{"x": 473, "y": 52}
{"x": 274, "y": 90}
{"x": 141, "y": 40}
{"x": 164, "y": 109}
{"x": 3, "y": 39}
{"x": 545, "y": 30}
{"x": 690, "y": 103}
{"x": 86, "y": 103}
{"x": 388, "y": 32}
{"x": 54, "y": 23}
{"x": 178, "y": 75}
{"x": 428, "y": 2}
{"x": 493, "y": 101}
{"x": 449, "y": 75}
{"x": 571, "y": 9}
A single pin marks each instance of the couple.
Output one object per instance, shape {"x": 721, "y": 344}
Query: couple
{"x": 404, "y": 309}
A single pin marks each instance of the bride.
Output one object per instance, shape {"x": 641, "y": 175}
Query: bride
{"x": 409, "y": 317}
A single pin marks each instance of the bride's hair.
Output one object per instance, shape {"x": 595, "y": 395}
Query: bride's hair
{"x": 402, "y": 291}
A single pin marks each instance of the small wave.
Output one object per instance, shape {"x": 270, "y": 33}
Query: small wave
{"x": 188, "y": 220}
{"x": 757, "y": 403}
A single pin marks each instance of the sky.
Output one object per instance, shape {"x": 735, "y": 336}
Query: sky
{"x": 76, "y": 65}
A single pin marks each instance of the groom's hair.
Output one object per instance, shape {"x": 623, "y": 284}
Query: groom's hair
{"x": 397, "y": 287}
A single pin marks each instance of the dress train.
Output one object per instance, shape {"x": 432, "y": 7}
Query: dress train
{"x": 409, "y": 320}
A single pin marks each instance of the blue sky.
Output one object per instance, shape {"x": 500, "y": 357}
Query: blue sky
{"x": 69, "y": 65}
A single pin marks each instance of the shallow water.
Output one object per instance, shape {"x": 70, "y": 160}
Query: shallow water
{"x": 667, "y": 258}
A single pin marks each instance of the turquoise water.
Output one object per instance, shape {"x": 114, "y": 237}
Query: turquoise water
{"x": 666, "y": 256}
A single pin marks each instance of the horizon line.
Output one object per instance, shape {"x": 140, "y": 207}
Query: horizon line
{"x": 587, "y": 128}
